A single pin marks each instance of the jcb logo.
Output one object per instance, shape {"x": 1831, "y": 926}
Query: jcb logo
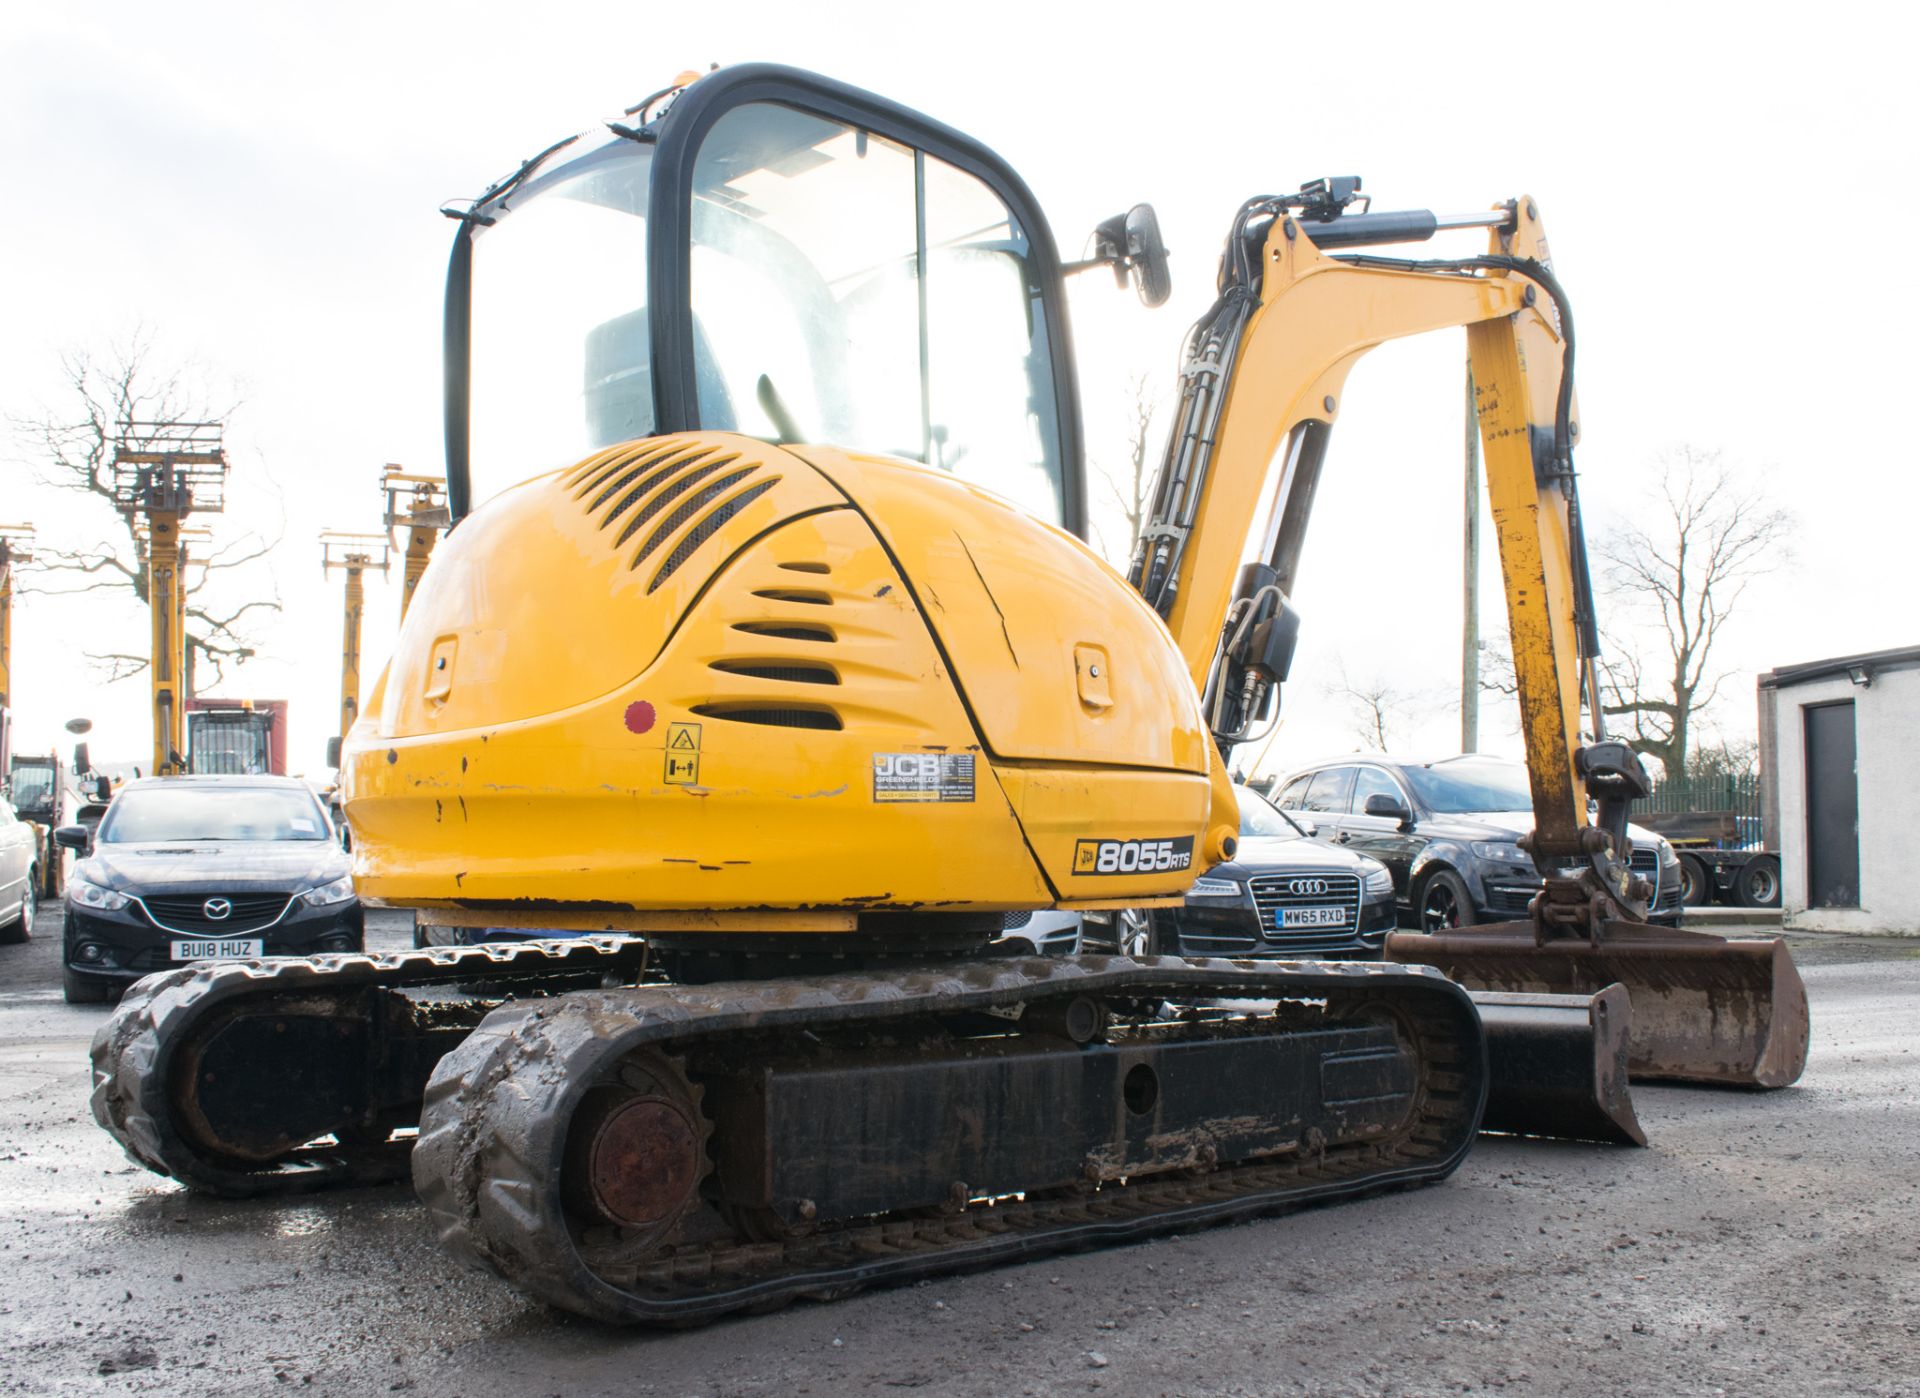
{"x": 1132, "y": 856}
{"x": 907, "y": 768}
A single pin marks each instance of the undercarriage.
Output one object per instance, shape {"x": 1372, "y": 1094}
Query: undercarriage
{"x": 669, "y": 1153}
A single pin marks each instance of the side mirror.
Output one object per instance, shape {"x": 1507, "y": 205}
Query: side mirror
{"x": 333, "y": 751}
{"x": 1147, "y": 254}
{"x": 1387, "y": 808}
{"x": 1130, "y": 243}
{"x": 75, "y": 837}
{"x": 103, "y": 790}
{"x": 82, "y": 764}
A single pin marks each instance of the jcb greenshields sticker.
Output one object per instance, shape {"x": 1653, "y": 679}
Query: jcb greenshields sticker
{"x": 923, "y": 776}
{"x": 1132, "y": 856}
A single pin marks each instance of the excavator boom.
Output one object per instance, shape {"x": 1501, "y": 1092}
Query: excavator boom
{"x": 1263, "y": 381}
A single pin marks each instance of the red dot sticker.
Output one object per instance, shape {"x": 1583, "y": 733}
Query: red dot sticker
{"x": 639, "y": 715}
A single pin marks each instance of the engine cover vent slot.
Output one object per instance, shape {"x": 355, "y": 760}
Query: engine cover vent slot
{"x": 785, "y": 672}
{"x": 667, "y": 494}
{"x": 704, "y": 530}
{"x": 787, "y": 630}
{"x": 772, "y": 716}
{"x": 806, "y": 567}
{"x": 633, "y": 478}
{"x": 582, "y": 478}
{"x": 649, "y": 468}
{"x": 794, "y": 594}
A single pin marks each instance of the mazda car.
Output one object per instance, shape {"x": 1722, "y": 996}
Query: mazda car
{"x": 184, "y": 870}
{"x": 1283, "y": 894}
{"x": 1449, "y": 832}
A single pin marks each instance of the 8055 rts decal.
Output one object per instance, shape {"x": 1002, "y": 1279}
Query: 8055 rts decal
{"x": 1132, "y": 856}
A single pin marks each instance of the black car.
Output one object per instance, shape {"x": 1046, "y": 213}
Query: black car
{"x": 1448, "y": 831}
{"x": 1283, "y": 894}
{"x": 189, "y": 869}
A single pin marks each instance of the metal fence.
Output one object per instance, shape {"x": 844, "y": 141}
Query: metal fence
{"x": 1735, "y": 793}
{"x": 1722, "y": 810}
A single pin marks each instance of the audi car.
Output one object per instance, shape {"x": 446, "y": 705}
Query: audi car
{"x": 185, "y": 870}
{"x": 1283, "y": 894}
{"x": 1449, "y": 832}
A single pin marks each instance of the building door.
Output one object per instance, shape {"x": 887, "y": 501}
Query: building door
{"x": 1833, "y": 808}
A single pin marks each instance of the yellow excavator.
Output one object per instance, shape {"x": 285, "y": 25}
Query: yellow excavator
{"x": 814, "y": 721}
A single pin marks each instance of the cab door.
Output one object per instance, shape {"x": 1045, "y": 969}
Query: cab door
{"x": 1382, "y": 836}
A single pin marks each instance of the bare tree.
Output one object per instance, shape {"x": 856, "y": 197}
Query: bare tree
{"x": 1729, "y": 759}
{"x": 1709, "y": 533}
{"x": 1376, "y": 706}
{"x": 73, "y": 450}
{"x": 1131, "y": 487}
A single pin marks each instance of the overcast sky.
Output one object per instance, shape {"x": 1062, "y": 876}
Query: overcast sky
{"x": 259, "y": 187}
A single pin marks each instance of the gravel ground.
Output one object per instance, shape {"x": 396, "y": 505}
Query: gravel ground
{"x": 1764, "y": 1243}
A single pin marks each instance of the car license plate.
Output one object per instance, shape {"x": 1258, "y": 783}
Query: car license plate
{"x": 1286, "y": 919}
{"x": 215, "y": 949}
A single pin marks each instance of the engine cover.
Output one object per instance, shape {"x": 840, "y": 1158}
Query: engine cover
{"x": 700, "y": 673}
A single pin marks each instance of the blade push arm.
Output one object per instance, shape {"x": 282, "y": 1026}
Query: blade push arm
{"x": 1261, "y": 389}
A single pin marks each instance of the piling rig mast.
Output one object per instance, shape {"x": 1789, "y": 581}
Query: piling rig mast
{"x": 352, "y": 554}
{"x": 16, "y": 546}
{"x": 417, "y": 504}
{"x": 162, "y": 473}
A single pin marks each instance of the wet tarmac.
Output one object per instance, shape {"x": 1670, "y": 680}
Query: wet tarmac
{"x": 1763, "y": 1243}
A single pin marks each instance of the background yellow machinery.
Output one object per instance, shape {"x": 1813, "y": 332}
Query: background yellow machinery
{"x": 418, "y": 505}
{"x": 351, "y": 555}
{"x": 162, "y": 473}
{"x": 16, "y": 547}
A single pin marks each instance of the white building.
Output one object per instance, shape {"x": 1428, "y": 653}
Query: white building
{"x": 1840, "y": 743}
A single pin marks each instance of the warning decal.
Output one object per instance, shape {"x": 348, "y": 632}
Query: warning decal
{"x": 683, "y": 754}
{"x": 1132, "y": 856}
{"x": 923, "y": 776}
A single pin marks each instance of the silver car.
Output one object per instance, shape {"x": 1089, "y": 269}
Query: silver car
{"x": 19, "y": 876}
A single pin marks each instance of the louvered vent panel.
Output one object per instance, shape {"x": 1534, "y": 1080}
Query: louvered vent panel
{"x": 667, "y": 494}
{"x": 688, "y": 508}
{"x": 704, "y": 530}
{"x": 635, "y": 481}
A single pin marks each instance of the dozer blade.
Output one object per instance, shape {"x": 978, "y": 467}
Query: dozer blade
{"x": 1557, "y": 1065}
{"x": 1706, "y": 1009}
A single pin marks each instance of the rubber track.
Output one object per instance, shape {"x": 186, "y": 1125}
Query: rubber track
{"x": 493, "y": 1128}
{"x": 133, "y": 1050}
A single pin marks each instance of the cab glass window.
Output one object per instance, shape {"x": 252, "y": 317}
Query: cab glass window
{"x": 559, "y": 349}
{"x": 856, "y": 292}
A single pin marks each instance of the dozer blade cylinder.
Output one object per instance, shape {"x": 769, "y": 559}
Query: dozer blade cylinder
{"x": 1706, "y": 1009}
{"x": 1557, "y": 1065}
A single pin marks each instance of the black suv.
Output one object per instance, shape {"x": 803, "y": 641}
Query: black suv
{"x": 191, "y": 869}
{"x": 1448, "y": 830}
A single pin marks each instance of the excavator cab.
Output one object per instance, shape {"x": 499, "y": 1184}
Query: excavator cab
{"x": 785, "y": 258}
